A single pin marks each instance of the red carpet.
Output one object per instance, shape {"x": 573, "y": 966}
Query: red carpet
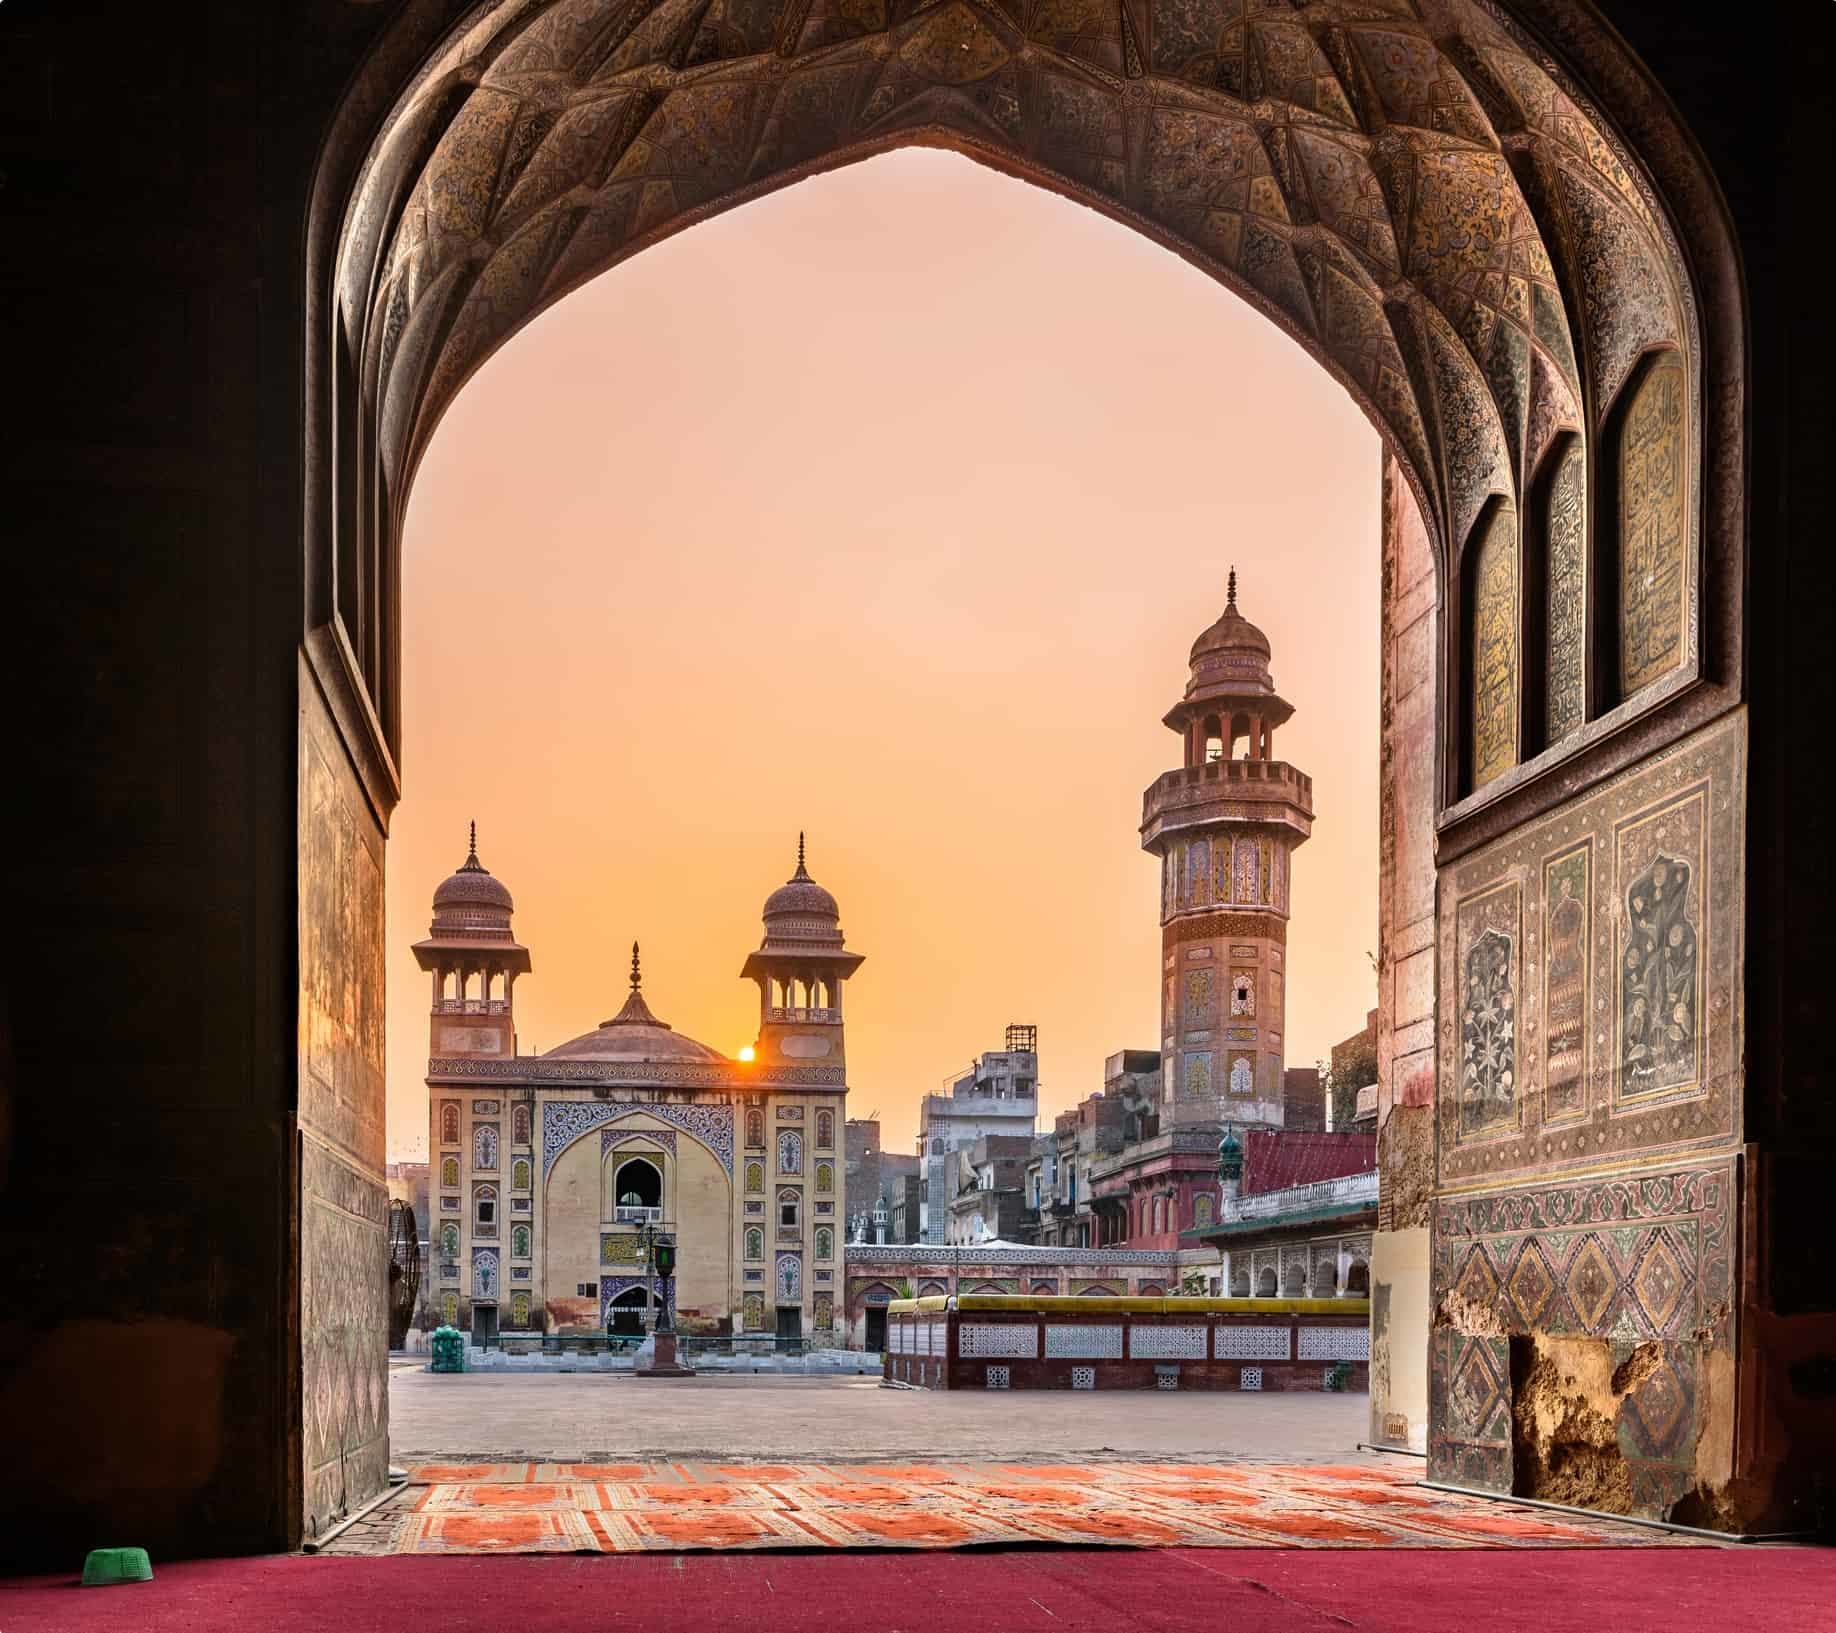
{"x": 1177, "y": 1590}
{"x": 675, "y": 1507}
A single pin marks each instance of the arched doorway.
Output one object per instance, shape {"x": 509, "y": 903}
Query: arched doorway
{"x": 637, "y": 1191}
{"x": 301, "y": 1127}
{"x": 626, "y": 1311}
{"x": 1495, "y": 356}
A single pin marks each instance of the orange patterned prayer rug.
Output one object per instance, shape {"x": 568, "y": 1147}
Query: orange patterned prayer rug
{"x": 682, "y": 1507}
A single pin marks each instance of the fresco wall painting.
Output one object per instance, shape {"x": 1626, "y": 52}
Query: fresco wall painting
{"x": 1598, "y": 1212}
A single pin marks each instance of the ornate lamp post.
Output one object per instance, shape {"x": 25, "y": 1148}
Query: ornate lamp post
{"x": 647, "y": 1249}
{"x": 662, "y": 1264}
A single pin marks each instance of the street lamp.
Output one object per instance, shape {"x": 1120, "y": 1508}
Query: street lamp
{"x": 647, "y": 1244}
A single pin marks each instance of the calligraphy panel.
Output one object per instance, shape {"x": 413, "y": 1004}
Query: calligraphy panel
{"x": 1565, "y": 590}
{"x": 1653, "y": 571}
{"x": 1493, "y": 615}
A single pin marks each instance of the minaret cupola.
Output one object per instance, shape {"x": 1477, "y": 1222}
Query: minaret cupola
{"x": 800, "y": 966}
{"x": 474, "y": 959}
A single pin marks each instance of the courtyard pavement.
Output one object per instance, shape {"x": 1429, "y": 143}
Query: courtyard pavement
{"x": 576, "y": 1417}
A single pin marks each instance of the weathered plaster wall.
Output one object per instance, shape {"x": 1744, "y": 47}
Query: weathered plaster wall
{"x": 1405, "y": 969}
{"x": 1399, "y": 1328}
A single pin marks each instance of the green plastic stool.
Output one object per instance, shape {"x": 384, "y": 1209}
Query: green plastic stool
{"x": 108, "y": 1567}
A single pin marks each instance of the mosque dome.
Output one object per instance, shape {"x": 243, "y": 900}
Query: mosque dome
{"x": 800, "y": 913}
{"x": 471, "y": 901}
{"x": 634, "y": 1036}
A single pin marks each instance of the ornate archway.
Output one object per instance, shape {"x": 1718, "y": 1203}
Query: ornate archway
{"x": 1521, "y": 273}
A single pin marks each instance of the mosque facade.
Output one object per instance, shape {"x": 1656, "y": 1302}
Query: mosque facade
{"x": 550, "y": 1173}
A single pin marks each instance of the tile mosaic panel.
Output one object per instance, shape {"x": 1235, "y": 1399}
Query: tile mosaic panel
{"x": 1186, "y": 1343}
{"x": 1084, "y": 1341}
{"x": 1637, "y": 1259}
{"x": 1334, "y": 1344}
{"x": 1643, "y": 1256}
{"x": 1245, "y": 1343}
{"x": 998, "y": 1338}
{"x": 1649, "y": 953}
{"x": 564, "y": 1121}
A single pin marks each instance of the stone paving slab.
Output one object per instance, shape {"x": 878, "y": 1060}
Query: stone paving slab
{"x": 525, "y": 1417}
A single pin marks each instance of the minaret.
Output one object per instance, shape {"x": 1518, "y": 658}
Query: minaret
{"x": 1224, "y": 828}
{"x": 474, "y": 960}
{"x": 800, "y": 967}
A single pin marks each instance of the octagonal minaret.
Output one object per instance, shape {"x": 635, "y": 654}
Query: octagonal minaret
{"x": 1225, "y": 829}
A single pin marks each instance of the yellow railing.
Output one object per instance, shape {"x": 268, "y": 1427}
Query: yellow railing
{"x": 1020, "y": 1303}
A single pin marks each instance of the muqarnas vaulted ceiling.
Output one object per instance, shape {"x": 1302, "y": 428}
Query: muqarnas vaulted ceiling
{"x": 1407, "y": 188}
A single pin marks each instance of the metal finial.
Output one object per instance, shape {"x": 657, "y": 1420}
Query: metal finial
{"x": 637, "y": 978}
{"x": 802, "y": 872}
{"x": 473, "y": 848}
{"x": 1230, "y": 599}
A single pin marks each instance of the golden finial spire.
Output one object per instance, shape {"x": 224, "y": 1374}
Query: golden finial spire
{"x": 637, "y": 977}
{"x": 802, "y": 872}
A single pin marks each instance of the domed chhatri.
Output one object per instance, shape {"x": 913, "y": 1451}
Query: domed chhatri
{"x": 800, "y": 912}
{"x": 800, "y": 967}
{"x": 471, "y": 897}
{"x": 1232, "y": 632}
{"x": 474, "y": 959}
{"x": 634, "y": 1036}
{"x": 1230, "y": 671}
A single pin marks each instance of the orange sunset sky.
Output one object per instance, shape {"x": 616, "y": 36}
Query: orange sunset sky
{"x": 887, "y": 508}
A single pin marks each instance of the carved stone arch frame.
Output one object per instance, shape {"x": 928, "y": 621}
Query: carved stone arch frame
{"x": 403, "y": 101}
{"x": 353, "y": 502}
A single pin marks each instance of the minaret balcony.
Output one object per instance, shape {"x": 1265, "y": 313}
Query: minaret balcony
{"x": 1269, "y": 791}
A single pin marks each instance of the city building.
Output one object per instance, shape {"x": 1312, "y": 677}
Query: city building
{"x": 999, "y": 1094}
{"x": 1295, "y": 1214}
{"x": 877, "y": 1180}
{"x": 552, "y": 1170}
{"x": 1354, "y": 1078}
{"x": 988, "y": 1202}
